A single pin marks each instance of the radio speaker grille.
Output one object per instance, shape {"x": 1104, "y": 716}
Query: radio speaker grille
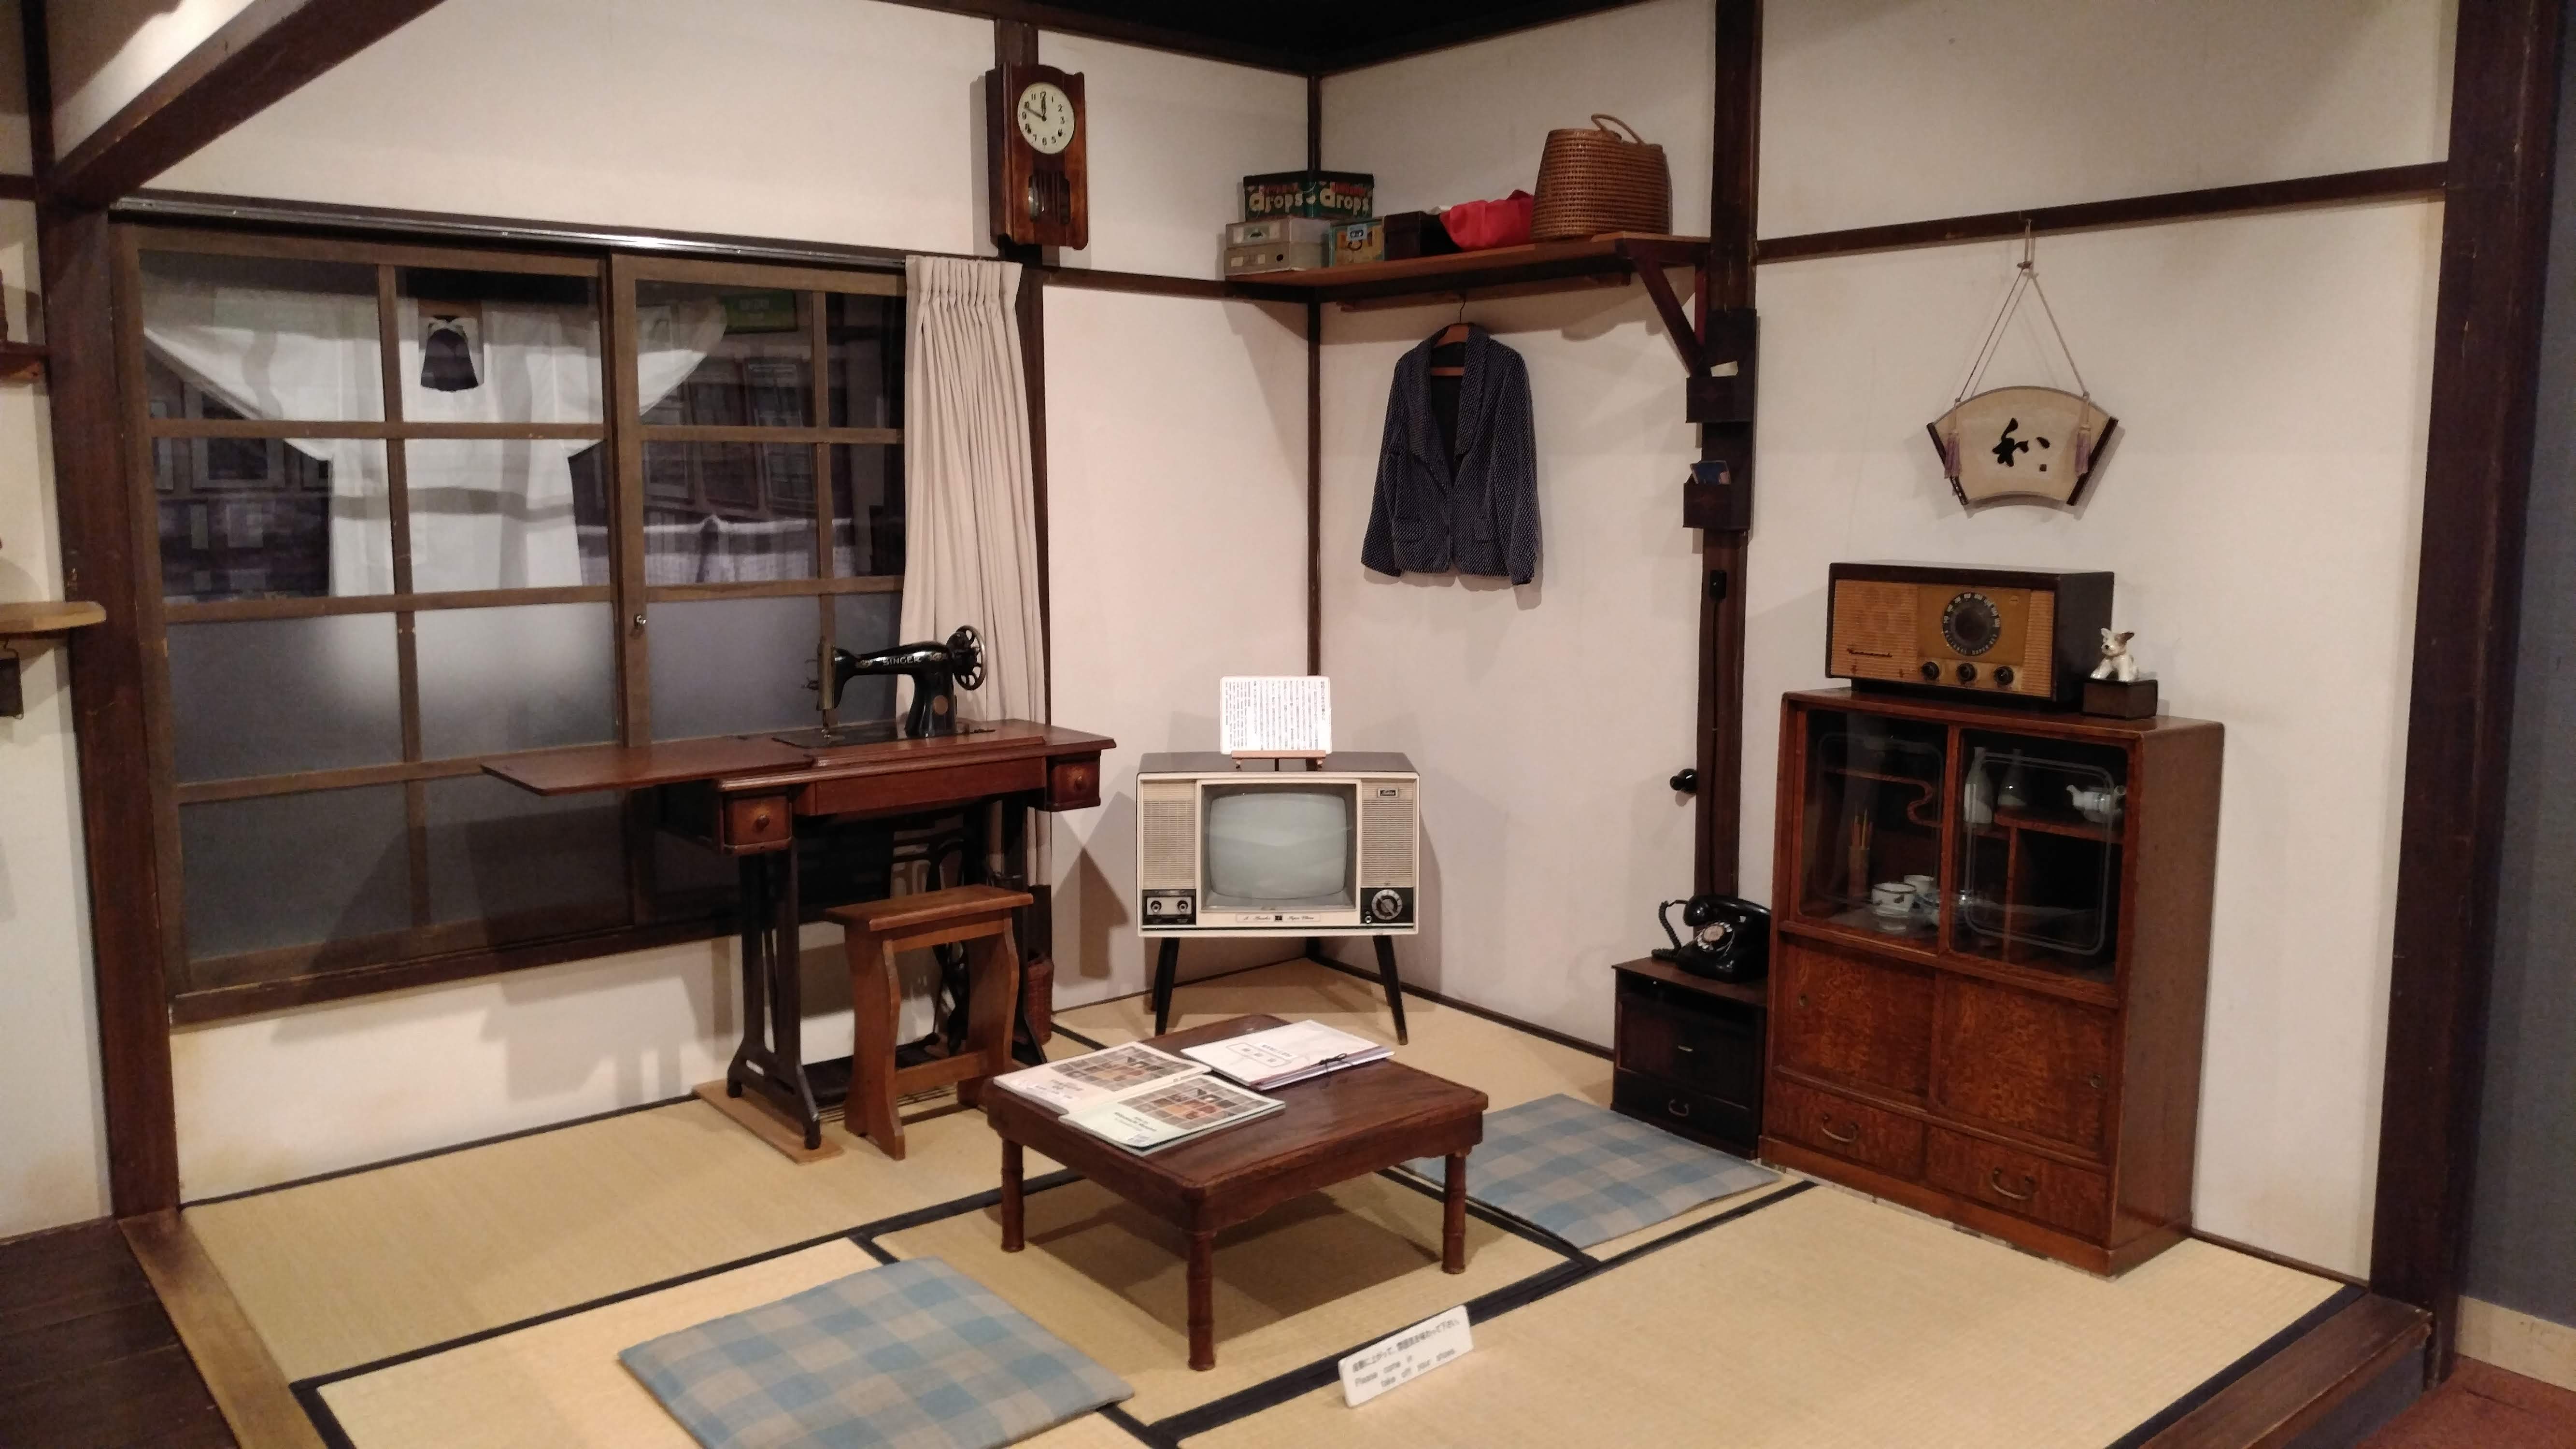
{"x": 1167, "y": 835}
{"x": 1387, "y": 836}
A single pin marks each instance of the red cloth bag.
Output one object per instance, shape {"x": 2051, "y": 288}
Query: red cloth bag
{"x": 1477, "y": 225}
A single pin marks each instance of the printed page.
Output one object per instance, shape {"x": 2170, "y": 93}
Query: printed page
{"x": 1275, "y": 714}
{"x": 1089, "y": 1080}
{"x": 1161, "y": 1116}
{"x": 1283, "y": 1053}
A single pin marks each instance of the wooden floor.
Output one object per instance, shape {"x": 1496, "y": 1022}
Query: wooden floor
{"x": 87, "y": 1358}
{"x": 2484, "y": 1407}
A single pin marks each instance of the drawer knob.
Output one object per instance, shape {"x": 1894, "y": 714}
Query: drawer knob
{"x": 1828, "y": 1126}
{"x": 1677, "y": 1107}
{"x": 1802, "y": 998}
{"x": 760, "y": 820}
{"x": 1995, "y": 1180}
{"x": 1684, "y": 1050}
{"x": 2094, "y": 1081}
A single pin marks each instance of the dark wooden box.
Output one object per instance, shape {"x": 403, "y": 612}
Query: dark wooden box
{"x": 1417, "y": 234}
{"x": 1688, "y": 1054}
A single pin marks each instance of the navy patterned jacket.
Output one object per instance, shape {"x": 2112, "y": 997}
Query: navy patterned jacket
{"x": 1477, "y": 511}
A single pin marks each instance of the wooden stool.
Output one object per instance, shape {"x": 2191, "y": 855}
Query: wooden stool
{"x": 873, "y": 932}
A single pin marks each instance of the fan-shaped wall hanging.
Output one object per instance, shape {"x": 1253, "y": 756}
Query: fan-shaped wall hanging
{"x": 2021, "y": 444}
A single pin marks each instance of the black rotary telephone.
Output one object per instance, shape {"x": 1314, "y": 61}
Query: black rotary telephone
{"x": 1730, "y": 939}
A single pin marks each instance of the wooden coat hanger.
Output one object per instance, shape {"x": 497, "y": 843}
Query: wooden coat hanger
{"x": 1450, "y": 336}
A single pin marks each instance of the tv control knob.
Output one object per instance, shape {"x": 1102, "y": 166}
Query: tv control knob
{"x": 1967, "y": 672}
{"x": 2003, "y": 676}
{"x": 1386, "y": 905}
{"x": 1932, "y": 671}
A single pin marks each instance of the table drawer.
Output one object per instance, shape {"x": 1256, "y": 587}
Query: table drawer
{"x": 2021, "y": 1183}
{"x": 759, "y": 820}
{"x": 893, "y": 791}
{"x": 1715, "y": 1048}
{"x": 1870, "y": 1136}
{"x": 1669, "y": 1104}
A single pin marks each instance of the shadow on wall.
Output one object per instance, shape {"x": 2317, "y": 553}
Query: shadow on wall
{"x": 1099, "y": 903}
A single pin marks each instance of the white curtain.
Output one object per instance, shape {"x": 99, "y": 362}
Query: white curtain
{"x": 970, "y": 507}
{"x": 485, "y": 513}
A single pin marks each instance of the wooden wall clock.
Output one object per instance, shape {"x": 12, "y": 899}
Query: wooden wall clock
{"x": 1037, "y": 135}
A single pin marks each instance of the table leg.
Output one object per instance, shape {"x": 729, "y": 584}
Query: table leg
{"x": 1012, "y": 1220}
{"x": 787, "y": 993}
{"x": 753, "y": 878}
{"x": 1453, "y": 1216}
{"x": 1203, "y": 1300}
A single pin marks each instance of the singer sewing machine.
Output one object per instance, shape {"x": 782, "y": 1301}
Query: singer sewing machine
{"x": 937, "y": 672}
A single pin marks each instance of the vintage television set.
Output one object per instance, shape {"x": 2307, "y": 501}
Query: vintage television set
{"x": 1277, "y": 847}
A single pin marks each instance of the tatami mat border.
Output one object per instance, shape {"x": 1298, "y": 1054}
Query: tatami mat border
{"x": 426, "y": 1153}
{"x": 2252, "y": 1359}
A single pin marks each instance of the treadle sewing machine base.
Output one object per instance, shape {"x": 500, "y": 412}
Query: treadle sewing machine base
{"x": 749, "y": 796}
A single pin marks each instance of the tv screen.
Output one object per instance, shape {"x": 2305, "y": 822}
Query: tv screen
{"x": 1282, "y": 847}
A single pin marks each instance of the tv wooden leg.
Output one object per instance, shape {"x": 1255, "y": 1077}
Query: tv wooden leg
{"x": 1167, "y": 964}
{"x": 1013, "y": 1224}
{"x": 1394, "y": 984}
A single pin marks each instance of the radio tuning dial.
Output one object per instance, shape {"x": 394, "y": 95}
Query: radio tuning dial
{"x": 1971, "y": 624}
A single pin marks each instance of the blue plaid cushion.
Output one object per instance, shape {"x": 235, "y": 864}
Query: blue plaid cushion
{"x": 913, "y": 1355}
{"x": 1587, "y": 1174}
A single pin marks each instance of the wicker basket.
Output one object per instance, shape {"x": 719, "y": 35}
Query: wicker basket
{"x": 1595, "y": 181}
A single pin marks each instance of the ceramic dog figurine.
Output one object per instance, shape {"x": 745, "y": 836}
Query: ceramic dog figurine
{"x": 2117, "y": 662}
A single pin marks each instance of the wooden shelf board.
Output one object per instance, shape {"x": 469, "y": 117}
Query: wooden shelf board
{"x": 1569, "y": 261}
{"x": 53, "y": 617}
{"x": 21, "y": 361}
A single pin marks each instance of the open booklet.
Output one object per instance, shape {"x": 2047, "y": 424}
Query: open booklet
{"x": 1142, "y": 1099}
{"x": 1285, "y": 1054}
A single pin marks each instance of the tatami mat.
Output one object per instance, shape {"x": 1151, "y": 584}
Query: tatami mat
{"x": 1317, "y": 1276}
{"x": 559, "y": 1385}
{"x": 1510, "y": 1066}
{"x": 357, "y": 1268}
{"x": 1827, "y": 1321}
{"x": 504, "y": 1278}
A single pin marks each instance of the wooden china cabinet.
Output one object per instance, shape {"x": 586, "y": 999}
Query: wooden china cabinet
{"x": 2020, "y": 1051}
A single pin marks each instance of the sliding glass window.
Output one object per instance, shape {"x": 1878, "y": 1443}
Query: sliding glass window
{"x": 418, "y": 509}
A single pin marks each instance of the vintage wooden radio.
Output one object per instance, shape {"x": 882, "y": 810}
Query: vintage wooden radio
{"x": 2017, "y": 636}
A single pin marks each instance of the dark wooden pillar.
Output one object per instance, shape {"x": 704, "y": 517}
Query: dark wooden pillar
{"x": 1734, "y": 162}
{"x": 2495, "y": 236}
{"x": 104, "y": 531}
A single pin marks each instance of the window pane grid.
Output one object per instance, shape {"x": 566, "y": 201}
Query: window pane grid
{"x": 794, "y": 436}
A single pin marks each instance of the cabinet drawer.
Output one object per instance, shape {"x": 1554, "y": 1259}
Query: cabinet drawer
{"x": 2031, "y": 1063}
{"x": 1847, "y": 1016}
{"x": 2018, "y": 1182}
{"x": 1715, "y": 1048}
{"x": 1867, "y": 1135}
{"x": 1669, "y": 1104}
{"x": 758, "y": 820}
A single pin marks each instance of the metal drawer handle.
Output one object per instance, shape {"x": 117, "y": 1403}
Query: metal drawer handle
{"x": 1685, "y": 1051}
{"x": 1677, "y": 1107}
{"x": 1828, "y": 1128}
{"x": 1995, "y": 1180}
{"x": 2094, "y": 1081}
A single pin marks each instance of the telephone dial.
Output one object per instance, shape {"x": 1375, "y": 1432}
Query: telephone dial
{"x": 1730, "y": 938}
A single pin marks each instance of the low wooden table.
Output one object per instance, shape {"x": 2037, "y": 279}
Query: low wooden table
{"x": 1336, "y": 1127}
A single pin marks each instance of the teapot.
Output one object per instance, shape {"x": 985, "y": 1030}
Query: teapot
{"x": 2097, "y": 803}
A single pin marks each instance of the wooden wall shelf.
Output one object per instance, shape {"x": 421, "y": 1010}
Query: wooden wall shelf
{"x": 48, "y": 617}
{"x": 1610, "y": 257}
{"x": 21, "y": 361}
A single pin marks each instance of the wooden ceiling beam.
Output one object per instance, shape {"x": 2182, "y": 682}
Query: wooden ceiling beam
{"x": 262, "y": 55}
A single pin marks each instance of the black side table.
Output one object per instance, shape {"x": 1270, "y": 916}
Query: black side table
{"x": 1688, "y": 1054}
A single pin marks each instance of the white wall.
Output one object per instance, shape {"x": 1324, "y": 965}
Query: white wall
{"x": 1878, "y": 111}
{"x": 1545, "y": 719}
{"x": 104, "y": 52}
{"x": 2271, "y": 374}
{"x": 832, "y": 120}
{"x": 1172, "y": 138}
{"x": 53, "y": 1160}
{"x": 1176, "y": 495}
{"x": 2260, "y": 509}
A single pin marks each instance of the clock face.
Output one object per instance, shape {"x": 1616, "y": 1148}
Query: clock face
{"x": 1045, "y": 116}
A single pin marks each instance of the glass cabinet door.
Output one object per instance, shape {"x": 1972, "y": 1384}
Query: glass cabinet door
{"x": 2040, "y": 826}
{"x": 1871, "y": 838}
